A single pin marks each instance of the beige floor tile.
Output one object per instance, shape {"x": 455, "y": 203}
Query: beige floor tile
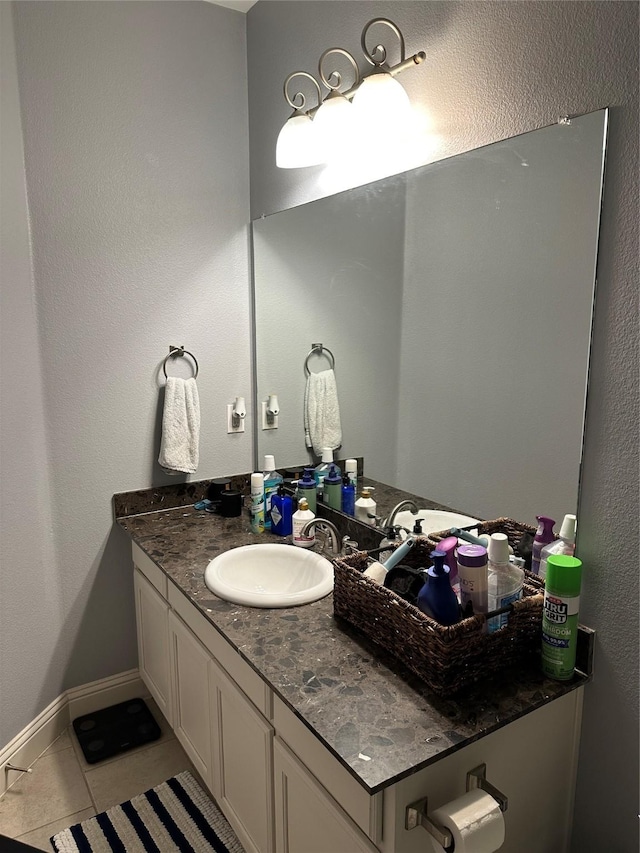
{"x": 135, "y": 772}
{"x": 40, "y": 837}
{"x": 62, "y": 742}
{"x": 165, "y": 728}
{"x": 56, "y": 788}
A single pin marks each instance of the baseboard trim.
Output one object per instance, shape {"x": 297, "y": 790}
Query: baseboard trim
{"x": 41, "y": 732}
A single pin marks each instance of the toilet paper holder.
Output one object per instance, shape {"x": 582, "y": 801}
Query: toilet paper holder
{"x": 416, "y": 812}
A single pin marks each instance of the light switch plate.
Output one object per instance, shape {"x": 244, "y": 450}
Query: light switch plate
{"x": 266, "y": 423}
{"x": 230, "y": 425}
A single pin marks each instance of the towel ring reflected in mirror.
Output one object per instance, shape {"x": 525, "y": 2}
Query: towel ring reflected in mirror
{"x": 318, "y": 349}
{"x": 175, "y": 352}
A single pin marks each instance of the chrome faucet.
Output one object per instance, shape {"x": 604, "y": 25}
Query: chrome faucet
{"x": 388, "y": 522}
{"x": 330, "y": 527}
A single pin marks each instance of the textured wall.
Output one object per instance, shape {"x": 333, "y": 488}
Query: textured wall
{"x": 27, "y": 560}
{"x": 494, "y": 70}
{"x": 135, "y": 133}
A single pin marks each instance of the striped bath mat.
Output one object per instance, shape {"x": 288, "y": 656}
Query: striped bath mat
{"x": 174, "y": 816}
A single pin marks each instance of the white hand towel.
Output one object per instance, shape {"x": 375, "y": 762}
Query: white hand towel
{"x": 179, "y": 446}
{"x": 322, "y": 412}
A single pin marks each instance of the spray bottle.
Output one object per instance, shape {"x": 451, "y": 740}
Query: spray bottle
{"x": 544, "y": 535}
{"x": 565, "y": 544}
{"x": 560, "y": 616}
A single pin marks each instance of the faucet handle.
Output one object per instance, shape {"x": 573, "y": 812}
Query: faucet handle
{"x": 349, "y": 546}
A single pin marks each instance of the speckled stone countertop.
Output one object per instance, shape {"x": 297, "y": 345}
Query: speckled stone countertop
{"x": 356, "y": 700}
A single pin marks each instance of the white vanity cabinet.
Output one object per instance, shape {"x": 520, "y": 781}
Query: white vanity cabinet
{"x": 243, "y": 761}
{"x": 190, "y": 693}
{"x": 152, "y": 622}
{"x": 308, "y": 819}
{"x": 283, "y": 791}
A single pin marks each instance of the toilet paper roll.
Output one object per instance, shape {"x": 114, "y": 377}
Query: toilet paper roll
{"x": 475, "y": 822}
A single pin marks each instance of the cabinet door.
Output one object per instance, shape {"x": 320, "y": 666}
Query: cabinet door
{"x": 189, "y": 676}
{"x": 243, "y": 763}
{"x": 152, "y": 623}
{"x": 308, "y": 820}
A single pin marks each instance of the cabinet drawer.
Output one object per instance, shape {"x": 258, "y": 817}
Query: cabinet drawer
{"x": 240, "y": 671}
{"x": 363, "y": 808}
{"x": 152, "y": 573}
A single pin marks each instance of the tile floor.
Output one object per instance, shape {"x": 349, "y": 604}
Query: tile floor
{"x": 63, "y": 789}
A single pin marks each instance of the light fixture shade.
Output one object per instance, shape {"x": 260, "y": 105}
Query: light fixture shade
{"x": 381, "y": 98}
{"x": 336, "y": 125}
{"x": 298, "y": 143}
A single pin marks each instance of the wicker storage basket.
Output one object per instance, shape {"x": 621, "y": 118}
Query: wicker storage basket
{"x": 449, "y": 658}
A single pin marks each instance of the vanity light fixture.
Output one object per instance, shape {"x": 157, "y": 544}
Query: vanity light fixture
{"x": 313, "y": 136}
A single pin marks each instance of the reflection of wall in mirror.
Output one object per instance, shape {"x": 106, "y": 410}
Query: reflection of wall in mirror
{"x": 331, "y": 273}
{"x": 461, "y": 329}
{"x": 500, "y": 255}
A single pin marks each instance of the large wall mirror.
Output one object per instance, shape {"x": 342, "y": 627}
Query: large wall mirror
{"x": 457, "y": 300}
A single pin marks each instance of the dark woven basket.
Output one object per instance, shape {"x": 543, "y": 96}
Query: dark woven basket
{"x": 449, "y": 658}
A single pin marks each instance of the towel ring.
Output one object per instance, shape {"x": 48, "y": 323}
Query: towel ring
{"x": 318, "y": 349}
{"x": 174, "y": 352}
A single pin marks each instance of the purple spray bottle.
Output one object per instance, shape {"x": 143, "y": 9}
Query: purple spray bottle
{"x": 544, "y": 535}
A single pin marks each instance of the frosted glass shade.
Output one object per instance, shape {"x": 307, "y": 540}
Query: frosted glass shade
{"x": 381, "y": 98}
{"x": 298, "y": 143}
{"x": 336, "y": 125}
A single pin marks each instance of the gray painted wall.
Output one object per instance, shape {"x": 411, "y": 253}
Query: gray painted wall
{"x": 494, "y": 70}
{"x": 135, "y": 138}
{"x": 28, "y": 565}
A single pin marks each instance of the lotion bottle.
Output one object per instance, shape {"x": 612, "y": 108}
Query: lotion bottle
{"x": 436, "y": 598}
{"x": 366, "y": 506}
{"x": 300, "y": 518}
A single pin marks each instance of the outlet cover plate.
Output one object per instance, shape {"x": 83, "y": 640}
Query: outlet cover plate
{"x": 231, "y": 427}
{"x": 266, "y": 423}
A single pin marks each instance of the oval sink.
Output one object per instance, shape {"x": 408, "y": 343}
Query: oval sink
{"x": 435, "y": 520}
{"x": 270, "y": 576}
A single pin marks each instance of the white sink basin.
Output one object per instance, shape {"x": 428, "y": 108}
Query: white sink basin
{"x": 270, "y": 576}
{"x": 435, "y": 520}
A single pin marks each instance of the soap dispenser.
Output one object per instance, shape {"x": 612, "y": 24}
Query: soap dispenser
{"x": 366, "y": 506}
{"x": 436, "y": 598}
{"x": 333, "y": 487}
{"x": 307, "y": 488}
{"x": 417, "y": 527}
{"x": 392, "y": 540}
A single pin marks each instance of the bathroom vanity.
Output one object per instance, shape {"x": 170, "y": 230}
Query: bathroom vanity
{"x": 310, "y": 739}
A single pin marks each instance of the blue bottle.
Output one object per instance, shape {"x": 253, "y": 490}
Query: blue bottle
{"x": 282, "y": 513}
{"x": 348, "y": 496}
{"x": 436, "y": 598}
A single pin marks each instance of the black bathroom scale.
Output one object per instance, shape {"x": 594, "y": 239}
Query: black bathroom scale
{"x": 116, "y": 729}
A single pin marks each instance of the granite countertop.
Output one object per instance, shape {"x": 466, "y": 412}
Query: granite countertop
{"x": 376, "y": 717}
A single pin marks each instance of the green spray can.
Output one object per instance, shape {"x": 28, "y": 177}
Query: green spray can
{"x": 560, "y": 616}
